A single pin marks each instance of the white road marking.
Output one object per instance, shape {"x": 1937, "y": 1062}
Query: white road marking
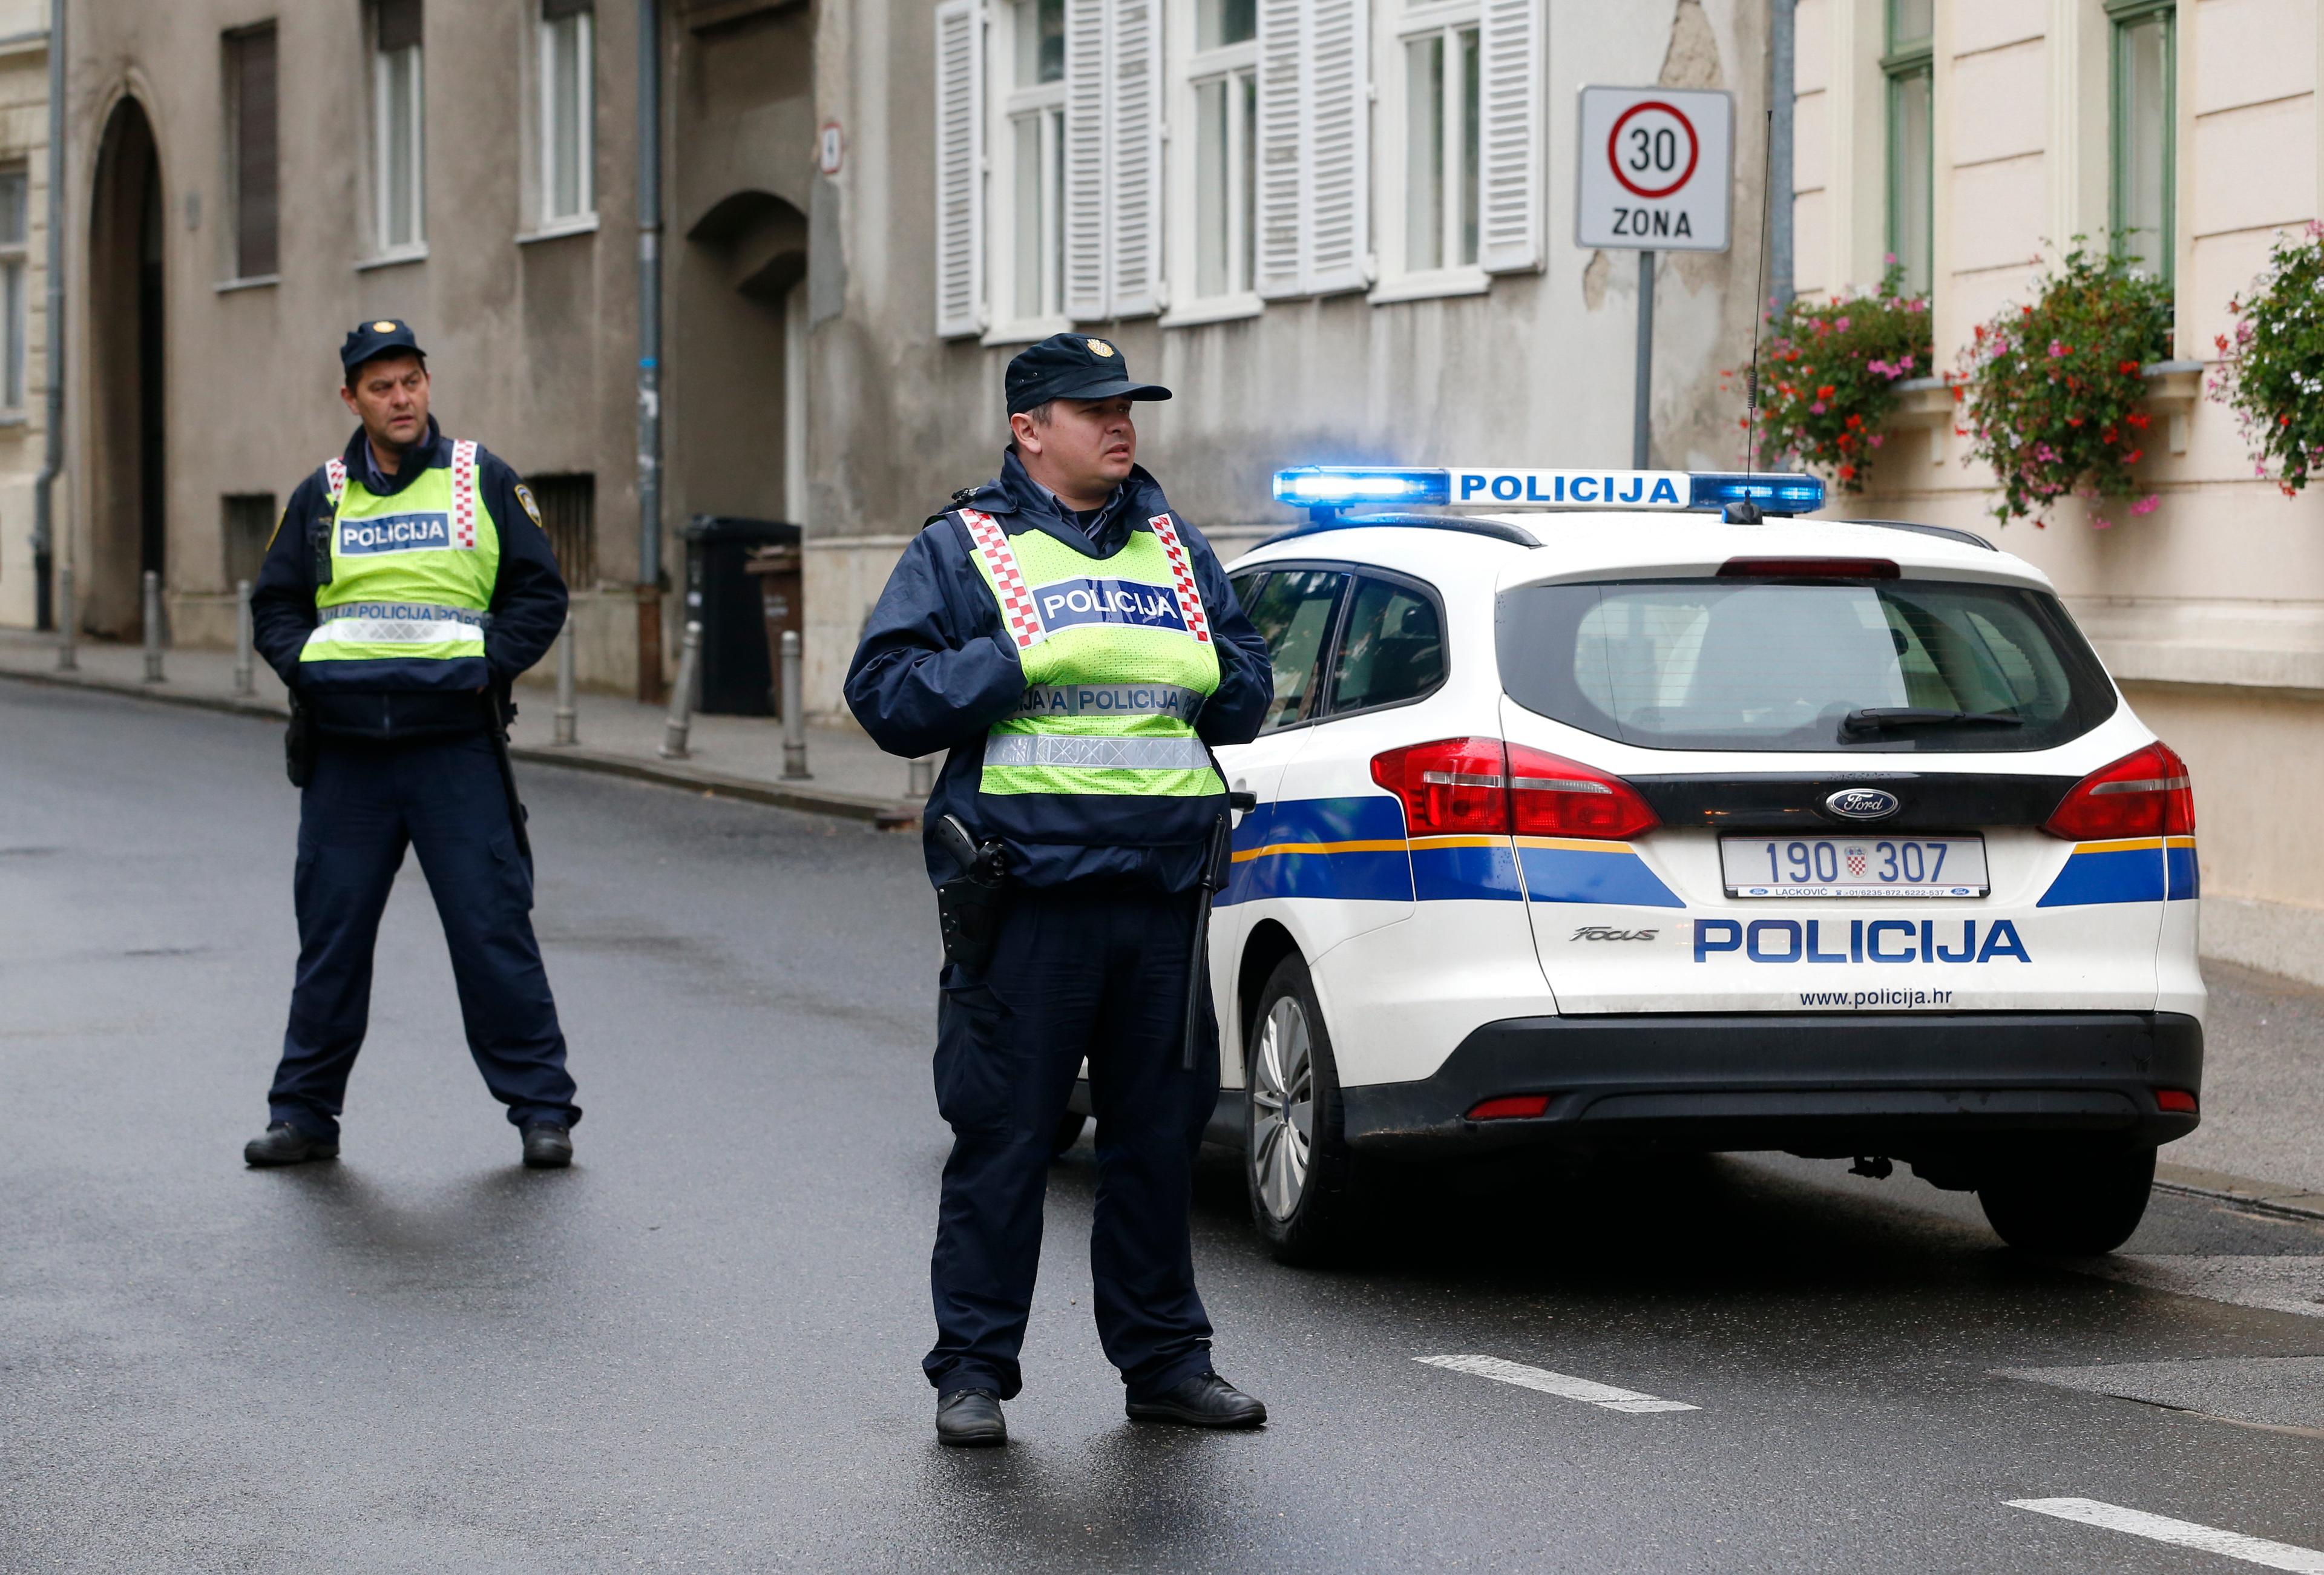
{"x": 2184, "y": 1534}
{"x": 1604, "y": 1395}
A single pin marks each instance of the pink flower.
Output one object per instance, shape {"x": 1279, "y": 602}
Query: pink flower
{"x": 1816, "y": 409}
{"x": 1875, "y": 440}
{"x": 2057, "y": 350}
{"x": 1841, "y": 325}
{"x": 2147, "y": 504}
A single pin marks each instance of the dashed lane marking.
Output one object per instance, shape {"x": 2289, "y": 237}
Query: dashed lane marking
{"x": 2184, "y": 1533}
{"x": 1603, "y": 1396}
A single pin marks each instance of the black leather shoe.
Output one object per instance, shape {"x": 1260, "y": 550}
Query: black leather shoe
{"x": 970, "y": 1419}
{"x": 1204, "y": 1400}
{"x": 286, "y": 1144}
{"x": 547, "y": 1147}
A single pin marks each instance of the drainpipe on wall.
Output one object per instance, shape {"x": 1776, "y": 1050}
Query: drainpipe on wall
{"x": 1782, "y": 55}
{"x": 649, "y": 685}
{"x": 52, "y": 458}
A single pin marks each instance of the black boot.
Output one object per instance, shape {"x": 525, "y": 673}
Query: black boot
{"x": 286, "y": 1144}
{"x": 547, "y": 1147}
{"x": 971, "y": 1419}
{"x": 1204, "y": 1400}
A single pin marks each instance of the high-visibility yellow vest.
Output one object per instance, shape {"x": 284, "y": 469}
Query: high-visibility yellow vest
{"x": 411, "y": 579}
{"x": 1118, "y": 660}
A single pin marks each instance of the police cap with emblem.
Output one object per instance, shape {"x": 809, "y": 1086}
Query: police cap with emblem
{"x": 1072, "y": 366}
{"x": 378, "y": 337}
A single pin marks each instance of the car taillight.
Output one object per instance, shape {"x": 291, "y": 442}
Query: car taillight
{"x": 1808, "y": 568}
{"x": 2145, "y": 794}
{"x": 1552, "y": 796}
{"x": 1480, "y": 785}
{"x": 2177, "y": 1102}
{"x": 1510, "y": 1106}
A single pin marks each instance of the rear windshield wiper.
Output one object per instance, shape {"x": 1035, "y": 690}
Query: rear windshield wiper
{"x": 1871, "y": 719}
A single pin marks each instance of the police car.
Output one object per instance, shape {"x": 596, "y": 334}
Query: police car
{"x": 1629, "y": 810}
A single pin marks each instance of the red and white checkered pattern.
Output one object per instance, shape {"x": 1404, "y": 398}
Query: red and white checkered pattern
{"x": 1000, "y": 560}
{"x": 1182, "y": 576}
{"x": 463, "y": 494}
{"x": 335, "y": 471}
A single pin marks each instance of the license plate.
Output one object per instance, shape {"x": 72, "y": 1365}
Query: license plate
{"x": 1864, "y": 866}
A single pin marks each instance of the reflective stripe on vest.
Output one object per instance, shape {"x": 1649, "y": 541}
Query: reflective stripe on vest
{"x": 411, "y": 576}
{"x": 1117, "y": 660}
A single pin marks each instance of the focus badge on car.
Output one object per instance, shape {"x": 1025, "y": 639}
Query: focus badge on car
{"x": 1864, "y": 804}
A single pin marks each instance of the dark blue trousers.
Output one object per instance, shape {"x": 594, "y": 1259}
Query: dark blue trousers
{"x": 444, "y": 797}
{"x": 1096, "y": 974}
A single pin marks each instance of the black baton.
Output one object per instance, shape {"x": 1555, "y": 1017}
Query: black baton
{"x": 1219, "y": 857}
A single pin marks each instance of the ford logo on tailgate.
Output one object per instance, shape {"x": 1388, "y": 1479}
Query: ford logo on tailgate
{"x": 1864, "y": 804}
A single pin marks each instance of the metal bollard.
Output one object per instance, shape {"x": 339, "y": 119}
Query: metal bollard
{"x": 152, "y": 626}
{"x": 567, "y": 718}
{"x": 794, "y": 712}
{"x": 923, "y": 780}
{"x": 681, "y": 694}
{"x": 67, "y": 623}
{"x": 245, "y": 661}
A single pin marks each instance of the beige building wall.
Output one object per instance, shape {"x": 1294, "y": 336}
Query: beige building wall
{"x": 2210, "y": 610}
{"x": 24, "y": 429}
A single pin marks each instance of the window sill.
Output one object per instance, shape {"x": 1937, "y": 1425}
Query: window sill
{"x": 1431, "y": 286}
{"x": 255, "y": 282}
{"x": 1225, "y": 309}
{"x": 393, "y": 259}
{"x": 1031, "y": 333}
{"x": 563, "y": 229}
{"x": 14, "y": 418}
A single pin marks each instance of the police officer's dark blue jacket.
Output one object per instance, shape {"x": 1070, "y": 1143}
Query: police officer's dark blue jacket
{"x": 936, "y": 669}
{"x": 527, "y": 603}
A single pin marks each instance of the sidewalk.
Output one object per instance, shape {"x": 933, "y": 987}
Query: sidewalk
{"x": 739, "y": 756}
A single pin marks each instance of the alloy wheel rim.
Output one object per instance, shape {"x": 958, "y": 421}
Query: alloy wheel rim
{"x": 1283, "y": 1108}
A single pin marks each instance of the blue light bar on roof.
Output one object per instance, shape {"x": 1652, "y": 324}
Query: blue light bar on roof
{"x": 1328, "y": 488}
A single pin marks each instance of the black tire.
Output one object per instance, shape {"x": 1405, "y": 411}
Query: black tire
{"x": 1068, "y": 1133}
{"x": 2071, "y": 1206}
{"x": 1317, "y": 1224}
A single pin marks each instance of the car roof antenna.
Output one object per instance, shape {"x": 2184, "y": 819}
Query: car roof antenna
{"x": 1743, "y": 510}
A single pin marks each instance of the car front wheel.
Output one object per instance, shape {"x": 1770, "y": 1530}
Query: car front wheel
{"x": 2077, "y": 1207}
{"x": 1296, "y": 1159}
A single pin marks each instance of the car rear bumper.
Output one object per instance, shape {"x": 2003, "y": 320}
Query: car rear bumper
{"x": 1863, "y": 1083}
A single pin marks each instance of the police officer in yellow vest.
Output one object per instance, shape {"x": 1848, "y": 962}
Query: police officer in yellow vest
{"x": 1076, "y": 646}
{"x": 408, "y": 583}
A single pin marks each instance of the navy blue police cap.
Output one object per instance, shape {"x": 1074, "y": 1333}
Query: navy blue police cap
{"x": 370, "y": 340}
{"x": 1072, "y": 366}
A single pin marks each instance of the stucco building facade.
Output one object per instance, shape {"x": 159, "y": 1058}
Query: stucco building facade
{"x": 24, "y": 289}
{"x": 1973, "y": 138}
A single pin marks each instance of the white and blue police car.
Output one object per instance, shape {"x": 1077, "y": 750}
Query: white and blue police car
{"x": 1626, "y": 809}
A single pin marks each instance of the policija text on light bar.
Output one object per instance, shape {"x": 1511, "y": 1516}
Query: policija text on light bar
{"x": 1325, "y": 489}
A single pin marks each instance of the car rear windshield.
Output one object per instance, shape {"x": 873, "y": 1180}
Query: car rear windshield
{"x": 1897, "y": 666}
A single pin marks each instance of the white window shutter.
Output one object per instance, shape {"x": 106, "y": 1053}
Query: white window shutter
{"x": 1282, "y": 165}
{"x": 1089, "y": 210}
{"x": 1338, "y": 151}
{"x": 1134, "y": 157}
{"x": 1511, "y": 133}
{"x": 960, "y": 169}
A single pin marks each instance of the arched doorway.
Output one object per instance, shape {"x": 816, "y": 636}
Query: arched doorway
{"x": 129, "y": 478}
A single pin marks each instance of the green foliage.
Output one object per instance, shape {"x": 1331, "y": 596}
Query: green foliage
{"x": 2272, "y": 372}
{"x": 1831, "y": 366}
{"x": 2051, "y": 389}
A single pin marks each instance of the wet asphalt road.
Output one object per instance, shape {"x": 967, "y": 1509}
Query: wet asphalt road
{"x": 698, "y": 1349}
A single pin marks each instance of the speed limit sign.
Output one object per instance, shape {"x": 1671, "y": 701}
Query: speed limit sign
{"x": 1657, "y": 170}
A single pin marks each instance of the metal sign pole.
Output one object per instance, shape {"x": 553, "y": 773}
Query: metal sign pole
{"x": 1642, "y": 409}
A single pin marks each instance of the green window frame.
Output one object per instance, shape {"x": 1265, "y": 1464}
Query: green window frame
{"x": 2143, "y": 134}
{"x": 1909, "y": 65}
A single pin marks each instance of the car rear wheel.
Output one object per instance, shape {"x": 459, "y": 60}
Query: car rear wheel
{"x": 2072, "y": 1207}
{"x": 1296, "y": 1158}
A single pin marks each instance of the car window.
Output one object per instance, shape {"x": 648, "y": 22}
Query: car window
{"x": 1392, "y": 648}
{"x": 1292, "y": 614}
{"x": 1779, "y": 665}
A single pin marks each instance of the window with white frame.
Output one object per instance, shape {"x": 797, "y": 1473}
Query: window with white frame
{"x": 566, "y": 143}
{"x": 14, "y": 236}
{"x": 1034, "y": 145}
{"x": 1222, "y": 98}
{"x": 399, "y": 174}
{"x": 1439, "y": 52}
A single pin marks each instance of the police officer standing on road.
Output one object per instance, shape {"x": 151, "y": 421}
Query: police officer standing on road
{"x": 408, "y": 583}
{"x": 1077, "y": 647}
